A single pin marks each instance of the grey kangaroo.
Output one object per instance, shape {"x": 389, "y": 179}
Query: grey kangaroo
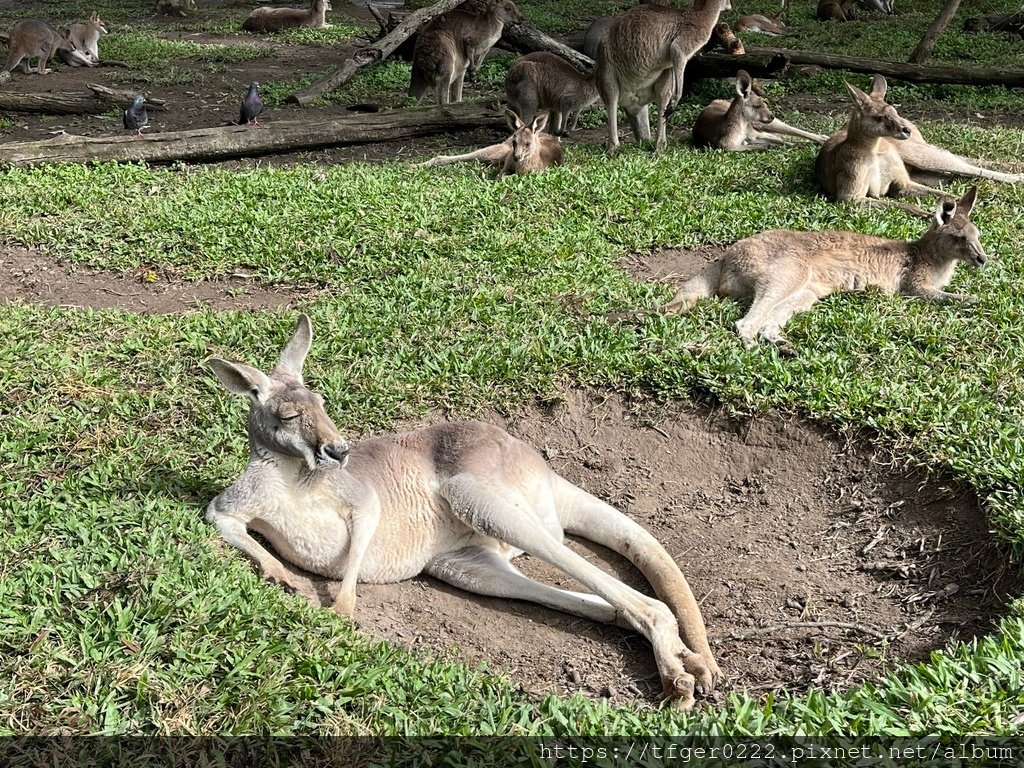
{"x": 33, "y": 39}
{"x": 877, "y": 153}
{"x": 783, "y": 272}
{"x": 453, "y": 46}
{"x": 268, "y": 18}
{"x": 745, "y": 123}
{"x": 529, "y": 149}
{"x": 542, "y": 81}
{"x": 643, "y": 59}
{"x": 456, "y": 500}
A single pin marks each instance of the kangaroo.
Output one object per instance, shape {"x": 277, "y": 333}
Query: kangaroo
{"x": 31, "y": 39}
{"x": 268, "y": 18}
{"x": 86, "y": 37}
{"x": 875, "y": 153}
{"x": 643, "y": 59}
{"x": 755, "y": 22}
{"x": 457, "y": 501}
{"x": 527, "y": 150}
{"x": 837, "y": 10}
{"x": 454, "y": 45}
{"x": 723, "y": 37}
{"x": 542, "y": 81}
{"x": 881, "y": 6}
{"x": 783, "y": 272}
{"x": 745, "y": 123}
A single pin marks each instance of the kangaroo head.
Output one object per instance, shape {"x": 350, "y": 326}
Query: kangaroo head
{"x": 97, "y": 23}
{"x": 507, "y": 13}
{"x": 525, "y": 138}
{"x": 873, "y": 116}
{"x": 953, "y": 232}
{"x": 726, "y": 38}
{"x": 285, "y": 417}
{"x": 754, "y": 108}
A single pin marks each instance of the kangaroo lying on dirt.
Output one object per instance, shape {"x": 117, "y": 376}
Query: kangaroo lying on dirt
{"x": 527, "y": 150}
{"x": 30, "y": 39}
{"x": 456, "y": 500}
{"x": 85, "y": 41}
{"x": 453, "y": 46}
{"x": 745, "y": 123}
{"x": 268, "y": 18}
{"x": 834, "y": 10}
{"x": 643, "y": 59}
{"x": 783, "y": 272}
{"x": 877, "y": 151}
{"x": 541, "y": 82}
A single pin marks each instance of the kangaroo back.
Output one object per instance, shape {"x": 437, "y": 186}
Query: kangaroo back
{"x": 268, "y": 18}
{"x": 542, "y": 81}
{"x": 29, "y": 39}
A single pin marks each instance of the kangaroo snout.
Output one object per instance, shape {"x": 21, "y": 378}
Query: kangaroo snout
{"x": 336, "y": 451}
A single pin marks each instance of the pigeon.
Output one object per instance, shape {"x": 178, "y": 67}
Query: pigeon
{"x": 252, "y": 106}
{"x": 136, "y": 117}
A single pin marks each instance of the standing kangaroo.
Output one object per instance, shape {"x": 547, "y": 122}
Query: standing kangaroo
{"x": 755, "y": 22}
{"x": 456, "y": 500}
{"x": 453, "y": 46}
{"x": 268, "y": 18}
{"x": 542, "y": 81}
{"x": 784, "y": 272}
{"x": 31, "y": 39}
{"x": 643, "y": 58}
{"x": 876, "y": 151}
{"x": 527, "y": 150}
{"x": 745, "y": 123}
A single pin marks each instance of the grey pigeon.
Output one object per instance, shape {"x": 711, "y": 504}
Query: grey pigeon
{"x": 252, "y": 106}
{"x": 136, "y": 117}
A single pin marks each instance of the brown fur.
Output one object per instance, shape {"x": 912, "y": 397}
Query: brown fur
{"x": 643, "y": 60}
{"x": 723, "y": 38}
{"x": 783, "y": 272}
{"x": 268, "y": 18}
{"x": 834, "y": 10}
{"x": 29, "y": 39}
{"x": 755, "y": 22}
{"x": 542, "y": 81}
{"x": 529, "y": 149}
{"x": 453, "y": 46}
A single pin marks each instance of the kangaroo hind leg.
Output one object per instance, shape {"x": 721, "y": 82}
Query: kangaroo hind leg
{"x": 769, "y": 298}
{"x": 772, "y": 330}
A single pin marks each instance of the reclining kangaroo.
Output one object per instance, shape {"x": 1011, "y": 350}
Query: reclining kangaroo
{"x": 453, "y": 46}
{"x": 541, "y": 82}
{"x": 643, "y": 59}
{"x": 456, "y": 500}
{"x": 877, "y": 151}
{"x": 745, "y": 123}
{"x": 268, "y": 18}
{"x": 85, "y": 42}
{"x": 784, "y": 272}
{"x": 527, "y": 150}
{"x": 30, "y": 39}
{"x": 763, "y": 25}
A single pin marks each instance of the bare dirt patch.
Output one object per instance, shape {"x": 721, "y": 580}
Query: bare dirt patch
{"x": 774, "y": 524}
{"x": 31, "y": 277}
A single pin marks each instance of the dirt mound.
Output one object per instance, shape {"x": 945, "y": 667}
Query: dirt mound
{"x": 815, "y": 563}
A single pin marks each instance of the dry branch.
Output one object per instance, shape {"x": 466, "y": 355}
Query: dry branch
{"x": 523, "y": 38}
{"x": 935, "y": 30}
{"x": 95, "y": 101}
{"x": 220, "y": 143}
{"x": 366, "y": 55}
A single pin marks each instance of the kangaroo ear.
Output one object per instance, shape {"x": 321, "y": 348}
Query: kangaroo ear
{"x": 241, "y": 379}
{"x": 859, "y": 97}
{"x": 540, "y": 122}
{"x": 878, "y": 87}
{"x": 967, "y": 201}
{"x": 513, "y": 120}
{"x": 944, "y": 212}
{"x": 743, "y": 83}
{"x": 294, "y": 353}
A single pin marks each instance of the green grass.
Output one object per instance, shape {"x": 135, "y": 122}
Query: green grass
{"x": 120, "y": 609}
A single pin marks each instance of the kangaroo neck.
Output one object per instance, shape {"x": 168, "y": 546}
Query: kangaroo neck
{"x": 856, "y": 135}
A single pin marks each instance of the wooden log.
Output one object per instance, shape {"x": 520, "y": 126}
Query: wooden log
{"x": 524, "y": 38}
{"x": 760, "y": 64}
{"x": 1000, "y": 22}
{"x": 97, "y": 100}
{"x": 912, "y": 73}
{"x": 221, "y": 143}
{"x": 935, "y": 30}
{"x": 366, "y": 55}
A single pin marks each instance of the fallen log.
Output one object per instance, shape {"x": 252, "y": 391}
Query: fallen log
{"x": 366, "y": 55}
{"x": 761, "y": 64}
{"x": 221, "y": 143}
{"x": 97, "y": 100}
{"x": 523, "y": 38}
{"x": 1000, "y": 22}
{"x": 913, "y": 73}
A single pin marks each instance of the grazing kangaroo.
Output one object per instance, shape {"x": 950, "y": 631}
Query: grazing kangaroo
{"x": 453, "y": 46}
{"x": 527, "y": 150}
{"x": 456, "y": 500}
{"x": 755, "y": 22}
{"x": 784, "y": 272}
{"x": 870, "y": 155}
{"x": 268, "y": 18}
{"x": 745, "y": 123}
{"x": 836, "y": 10}
{"x": 32, "y": 39}
{"x": 643, "y": 59}
{"x": 541, "y": 82}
